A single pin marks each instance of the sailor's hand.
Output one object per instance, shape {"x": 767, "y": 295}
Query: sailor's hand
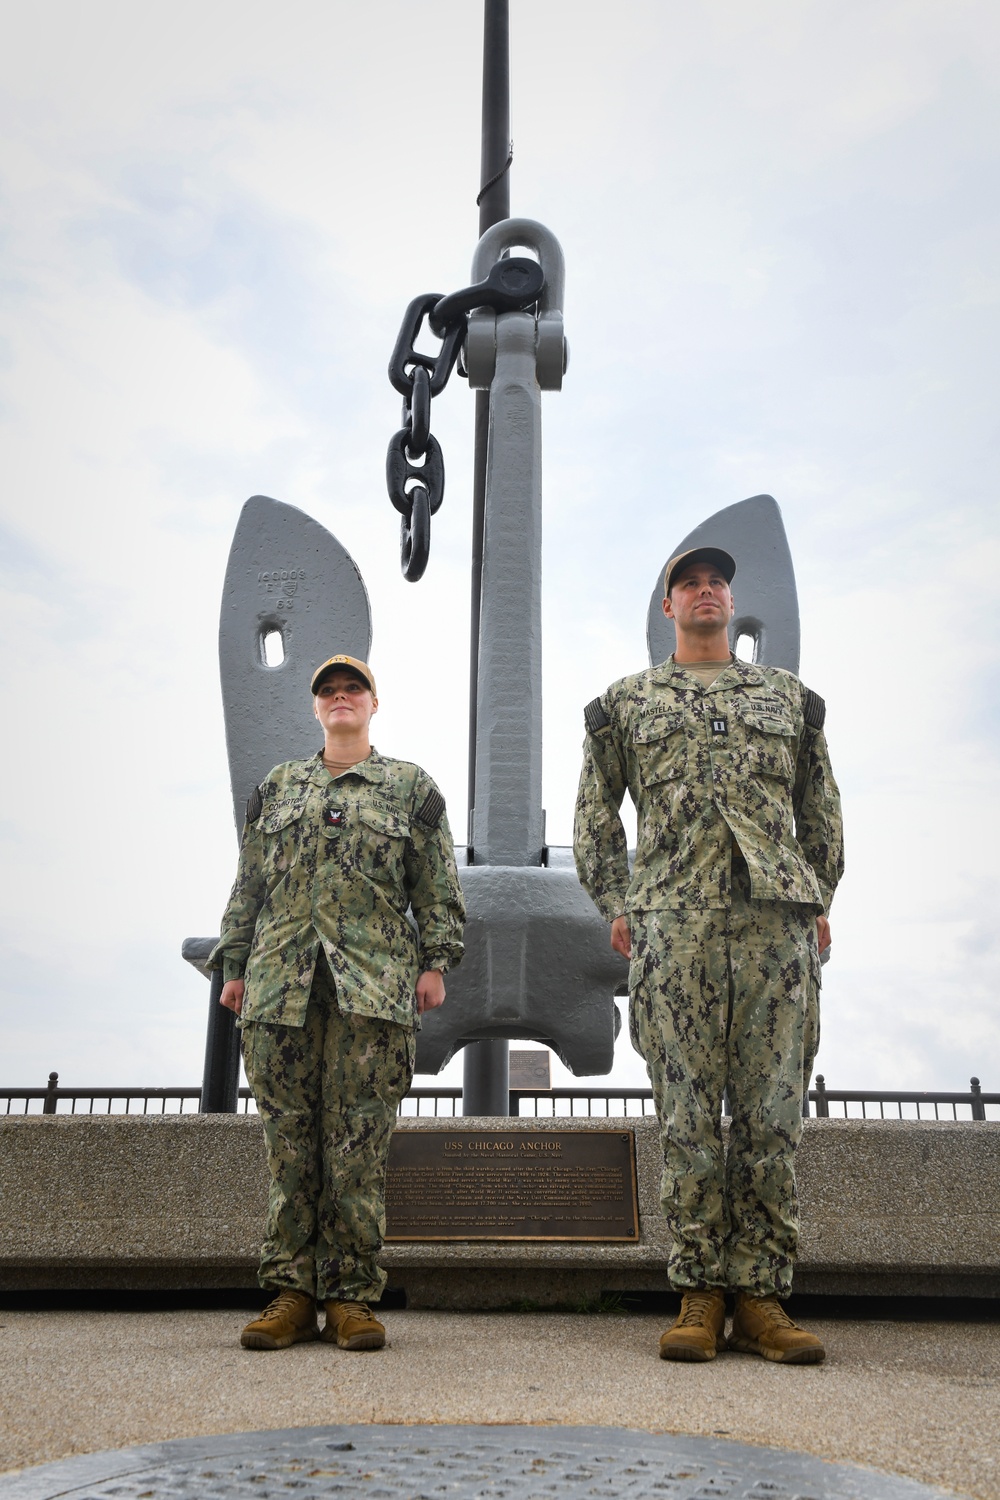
{"x": 823, "y": 933}
{"x": 232, "y": 995}
{"x": 430, "y": 990}
{"x": 621, "y": 937}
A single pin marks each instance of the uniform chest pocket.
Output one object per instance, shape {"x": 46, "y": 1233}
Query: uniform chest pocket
{"x": 281, "y": 815}
{"x": 382, "y": 836}
{"x": 661, "y": 746}
{"x": 769, "y": 740}
{"x": 282, "y": 832}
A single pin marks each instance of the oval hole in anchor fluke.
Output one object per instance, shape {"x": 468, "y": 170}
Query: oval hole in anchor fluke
{"x": 272, "y": 646}
{"x": 747, "y": 635}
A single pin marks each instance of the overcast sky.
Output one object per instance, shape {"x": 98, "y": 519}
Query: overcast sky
{"x": 782, "y": 238}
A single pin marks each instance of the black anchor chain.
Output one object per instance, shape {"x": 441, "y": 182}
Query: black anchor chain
{"x": 414, "y": 464}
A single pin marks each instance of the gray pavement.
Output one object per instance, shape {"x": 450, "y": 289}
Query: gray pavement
{"x": 916, "y": 1399}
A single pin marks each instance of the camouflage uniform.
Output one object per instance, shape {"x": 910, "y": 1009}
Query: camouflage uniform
{"x": 739, "y": 848}
{"x": 318, "y": 926}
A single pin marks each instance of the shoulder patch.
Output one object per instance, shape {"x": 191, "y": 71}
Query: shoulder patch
{"x": 431, "y": 810}
{"x": 255, "y": 805}
{"x": 594, "y": 716}
{"x": 813, "y": 709}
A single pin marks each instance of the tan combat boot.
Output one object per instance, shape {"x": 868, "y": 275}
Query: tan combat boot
{"x": 698, "y": 1332}
{"x": 761, "y": 1326}
{"x": 352, "y": 1325}
{"x": 289, "y": 1319}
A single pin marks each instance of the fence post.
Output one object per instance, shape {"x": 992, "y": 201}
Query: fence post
{"x": 221, "y": 1081}
{"x": 49, "y": 1102}
{"x": 822, "y": 1103}
{"x": 978, "y": 1107}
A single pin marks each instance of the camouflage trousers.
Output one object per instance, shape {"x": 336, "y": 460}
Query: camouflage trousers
{"x": 327, "y": 1093}
{"x": 728, "y": 1002}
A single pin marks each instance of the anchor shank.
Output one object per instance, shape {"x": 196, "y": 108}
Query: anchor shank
{"x": 507, "y": 823}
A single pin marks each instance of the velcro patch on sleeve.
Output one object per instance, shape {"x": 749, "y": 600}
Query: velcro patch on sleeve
{"x": 814, "y": 709}
{"x": 255, "y": 805}
{"x": 431, "y": 810}
{"x": 594, "y": 716}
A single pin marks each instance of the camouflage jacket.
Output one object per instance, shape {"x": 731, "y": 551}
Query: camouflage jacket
{"x": 743, "y": 763}
{"x": 335, "y": 863}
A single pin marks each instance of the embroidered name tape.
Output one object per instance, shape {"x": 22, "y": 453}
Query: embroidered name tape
{"x": 383, "y": 806}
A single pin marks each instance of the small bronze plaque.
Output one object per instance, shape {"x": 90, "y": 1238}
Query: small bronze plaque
{"x": 529, "y": 1070}
{"x": 512, "y": 1185}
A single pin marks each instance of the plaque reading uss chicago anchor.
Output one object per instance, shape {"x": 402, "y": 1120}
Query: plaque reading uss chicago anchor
{"x": 512, "y": 1185}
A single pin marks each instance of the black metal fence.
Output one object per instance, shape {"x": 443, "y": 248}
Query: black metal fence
{"x": 824, "y": 1103}
{"x": 889, "y": 1103}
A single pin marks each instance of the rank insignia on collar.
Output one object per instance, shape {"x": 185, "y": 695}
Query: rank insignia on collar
{"x": 720, "y": 726}
{"x": 333, "y": 817}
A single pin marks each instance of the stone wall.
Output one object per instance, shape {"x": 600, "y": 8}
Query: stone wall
{"x": 177, "y": 1202}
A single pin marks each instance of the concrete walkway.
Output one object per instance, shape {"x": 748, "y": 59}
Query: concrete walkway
{"x": 920, "y": 1399}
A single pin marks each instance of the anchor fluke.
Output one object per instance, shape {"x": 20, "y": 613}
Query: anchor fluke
{"x": 286, "y": 576}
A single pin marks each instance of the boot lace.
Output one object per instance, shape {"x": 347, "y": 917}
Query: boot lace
{"x": 696, "y": 1308}
{"x": 284, "y": 1302}
{"x": 772, "y": 1310}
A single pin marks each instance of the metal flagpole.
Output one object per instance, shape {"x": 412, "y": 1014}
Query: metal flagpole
{"x": 485, "y": 1081}
{"x": 494, "y": 205}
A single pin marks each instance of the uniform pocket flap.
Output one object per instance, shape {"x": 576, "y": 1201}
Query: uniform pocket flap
{"x": 382, "y": 820}
{"x": 652, "y": 727}
{"x": 766, "y": 723}
{"x": 280, "y": 814}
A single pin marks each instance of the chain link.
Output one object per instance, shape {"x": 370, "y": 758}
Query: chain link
{"x": 414, "y": 464}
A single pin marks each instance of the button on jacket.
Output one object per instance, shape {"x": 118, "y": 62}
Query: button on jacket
{"x": 336, "y": 863}
{"x": 709, "y": 769}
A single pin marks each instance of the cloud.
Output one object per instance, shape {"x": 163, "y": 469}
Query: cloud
{"x": 781, "y": 236}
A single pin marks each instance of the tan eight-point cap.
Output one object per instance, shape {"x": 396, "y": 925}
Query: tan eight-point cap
{"x": 714, "y": 555}
{"x": 341, "y": 663}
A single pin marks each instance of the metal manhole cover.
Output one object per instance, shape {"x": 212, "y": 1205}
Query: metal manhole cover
{"x": 456, "y": 1463}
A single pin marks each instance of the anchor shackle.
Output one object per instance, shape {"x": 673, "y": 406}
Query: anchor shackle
{"x": 512, "y": 285}
{"x": 550, "y": 343}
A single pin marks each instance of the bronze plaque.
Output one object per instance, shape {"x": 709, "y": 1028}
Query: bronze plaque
{"x": 512, "y": 1185}
{"x": 529, "y": 1070}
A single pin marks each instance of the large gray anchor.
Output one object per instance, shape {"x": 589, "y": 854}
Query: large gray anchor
{"x": 538, "y": 964}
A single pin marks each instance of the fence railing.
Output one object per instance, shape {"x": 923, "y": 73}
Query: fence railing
{"x": 923, "y": 1103}
{"x": 560, "y": 1103}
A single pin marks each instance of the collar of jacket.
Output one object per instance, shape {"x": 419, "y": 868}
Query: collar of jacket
{"x": 372, "y": 769}
{"x": 738, "y": 672}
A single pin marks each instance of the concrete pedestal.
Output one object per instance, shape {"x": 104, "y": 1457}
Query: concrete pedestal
{"x": 888, "y": 1207}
